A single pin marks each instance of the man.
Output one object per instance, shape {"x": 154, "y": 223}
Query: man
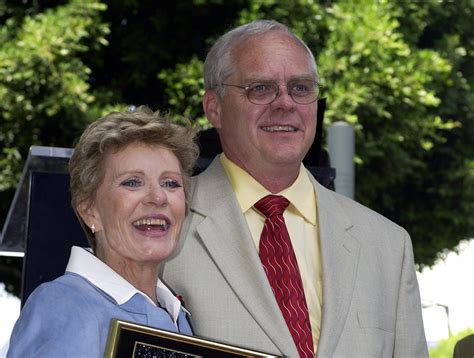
{"x": 353, "y": 289}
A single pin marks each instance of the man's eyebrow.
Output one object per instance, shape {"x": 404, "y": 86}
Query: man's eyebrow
{"x": 258, "y": 79}
{"x": 308, "y": 77}
{"x": 252, "y": 78}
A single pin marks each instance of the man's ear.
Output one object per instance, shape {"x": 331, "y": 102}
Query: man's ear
{"x": 211, "y": 104}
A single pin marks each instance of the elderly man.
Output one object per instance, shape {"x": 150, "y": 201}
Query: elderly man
{"x": 269, "y": 258}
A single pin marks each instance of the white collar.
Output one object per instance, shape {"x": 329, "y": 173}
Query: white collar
{"x": 84, "y": 263}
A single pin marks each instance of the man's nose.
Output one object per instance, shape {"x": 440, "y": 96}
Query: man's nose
{"x": 283, "y": 99}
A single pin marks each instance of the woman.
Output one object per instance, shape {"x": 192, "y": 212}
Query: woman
{"x": 128, "y": 176}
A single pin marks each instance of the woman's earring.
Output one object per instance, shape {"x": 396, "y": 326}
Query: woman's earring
{"x": 93, "y": 228}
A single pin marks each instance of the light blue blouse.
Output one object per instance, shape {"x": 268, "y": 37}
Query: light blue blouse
{"x": 70, "y": 316}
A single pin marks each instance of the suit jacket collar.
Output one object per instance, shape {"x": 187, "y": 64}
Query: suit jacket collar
{"x": 235, "y": 254}
{"x": 236, "y": 257}
{"x": 340, "y": 257}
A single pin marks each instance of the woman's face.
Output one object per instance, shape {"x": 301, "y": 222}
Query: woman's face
{"x": 139, "y": 207}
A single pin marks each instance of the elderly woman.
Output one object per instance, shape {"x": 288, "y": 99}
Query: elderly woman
{"x": 129, "y": 176}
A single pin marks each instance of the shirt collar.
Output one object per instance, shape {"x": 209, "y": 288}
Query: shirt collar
{"x": 84, "y": 263}
{"x": 249, "y": 191}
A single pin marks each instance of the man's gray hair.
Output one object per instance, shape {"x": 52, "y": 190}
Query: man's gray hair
{"x": 219, "y": 64}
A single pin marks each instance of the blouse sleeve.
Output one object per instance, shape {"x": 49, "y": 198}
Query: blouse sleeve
{"x": 55, "y": 322}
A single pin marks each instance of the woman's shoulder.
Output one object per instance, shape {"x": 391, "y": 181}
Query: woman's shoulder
{"x": 56, "y": 312}
{"x": 69, "y": 291}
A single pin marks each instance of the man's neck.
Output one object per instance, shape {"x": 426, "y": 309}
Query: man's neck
{"x": 271, "y": 177}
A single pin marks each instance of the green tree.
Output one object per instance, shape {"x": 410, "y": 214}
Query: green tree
{"x": 64, "y": 63}
{"x": 400, "y": 72}
{"x": 152, "y": 42}
{"x": 443, "y": 196}
{"x": 45, "y": 95}
{"x": 184, "y": 88}
{"x": 389, "y": 91}
{"x": 44, "y": 92}
{"x": 396, "y": 90}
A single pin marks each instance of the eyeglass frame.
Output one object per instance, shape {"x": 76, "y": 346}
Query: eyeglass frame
{"x": 277, "y": 93}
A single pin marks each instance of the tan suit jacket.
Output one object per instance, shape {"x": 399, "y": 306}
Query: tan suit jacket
{"x": 371, "y": 302}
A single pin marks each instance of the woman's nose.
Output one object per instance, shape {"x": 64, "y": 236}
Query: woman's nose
{"x": 156, "y": 196}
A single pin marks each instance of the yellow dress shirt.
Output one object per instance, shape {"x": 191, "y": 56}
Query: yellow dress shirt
{"x": 302, "y": 224}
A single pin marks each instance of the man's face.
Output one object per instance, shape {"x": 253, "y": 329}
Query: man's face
{"x": 272, "y": 136}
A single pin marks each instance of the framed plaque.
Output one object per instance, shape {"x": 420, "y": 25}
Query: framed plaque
{"x": 133, "y": 340}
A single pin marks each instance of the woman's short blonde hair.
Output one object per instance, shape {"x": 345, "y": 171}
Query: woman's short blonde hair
{"x": 114, "y": 132}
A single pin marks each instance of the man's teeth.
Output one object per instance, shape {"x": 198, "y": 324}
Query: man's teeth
{"x": 149, "y": 221}
{"x": 279, "y": 129}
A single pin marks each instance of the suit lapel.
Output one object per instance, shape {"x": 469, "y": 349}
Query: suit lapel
{"x": 225, "y": 234}
{"x": 340, "y": 257}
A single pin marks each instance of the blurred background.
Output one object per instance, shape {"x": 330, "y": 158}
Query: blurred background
{"x": 400, "y": 73}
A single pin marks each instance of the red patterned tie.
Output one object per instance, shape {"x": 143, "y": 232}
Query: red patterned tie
{"x": 281, "y": 267}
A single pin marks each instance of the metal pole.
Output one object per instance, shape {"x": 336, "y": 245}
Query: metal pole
{"x": 341, "y": 145}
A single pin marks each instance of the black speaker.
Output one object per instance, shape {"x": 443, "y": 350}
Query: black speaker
{"x": 52, "y": 229}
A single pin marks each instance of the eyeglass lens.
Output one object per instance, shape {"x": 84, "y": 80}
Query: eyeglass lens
{"x": 302, "y": 91}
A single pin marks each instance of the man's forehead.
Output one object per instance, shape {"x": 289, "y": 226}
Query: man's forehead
{"x": 254, "y": 49}
{"x": 268, "y": 38}
{"x": 266, "y": 61}
{"x": 259, "y": 77}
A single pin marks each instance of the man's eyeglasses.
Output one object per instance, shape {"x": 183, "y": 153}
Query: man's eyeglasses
{"x": 265, "y": 92}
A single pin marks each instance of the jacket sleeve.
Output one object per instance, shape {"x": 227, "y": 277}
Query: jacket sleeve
{"x": 410, "y": 338}
{"x": 55, "y": 323}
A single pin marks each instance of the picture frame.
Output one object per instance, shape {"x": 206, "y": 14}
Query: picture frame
{"x": 127, "y": 339}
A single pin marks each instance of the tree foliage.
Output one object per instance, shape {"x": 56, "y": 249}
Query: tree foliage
{"x": 184, "y": 88}
{"x": 45, "y": 94}
{"x": 400, "y": 72}
{"x": 405, "y": 86}
{"x": 389, "y": 91}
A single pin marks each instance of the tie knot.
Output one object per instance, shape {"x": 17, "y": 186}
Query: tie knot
{"x": 272, "y": 205}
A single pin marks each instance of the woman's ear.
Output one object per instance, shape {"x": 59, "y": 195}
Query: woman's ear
{"x": 211, "y": 104}
{"x": 88, "y": 214}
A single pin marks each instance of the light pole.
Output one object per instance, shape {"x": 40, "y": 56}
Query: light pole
{"x": 341, "y": 146}
{"x": 446, "y": 310}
